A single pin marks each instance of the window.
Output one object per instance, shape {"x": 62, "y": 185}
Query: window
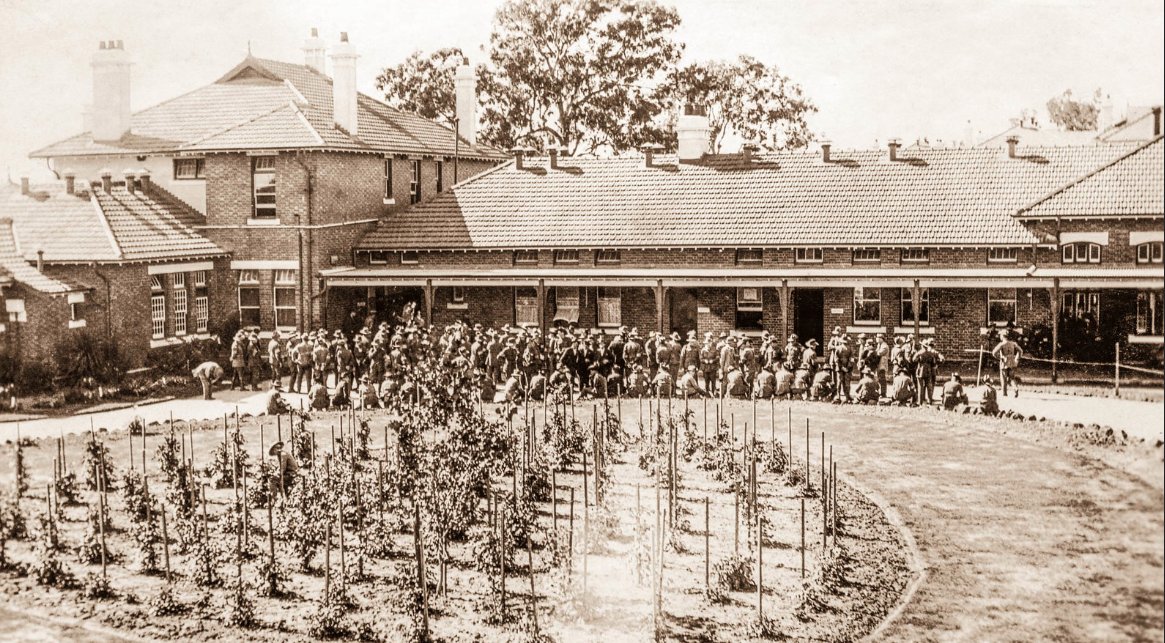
{"x": 75, "y": 312}
{"x": 201, "y": 313}
{"x": 808, "y": 255}
{"x": 867, "y": 306}
{"x": 248, "y": 298}
{"x": 526, "y": 307}
{"x": 566, "y": 303}
{"x": 1149, "y": 312}
{"x": 377, "y": 257}
{"x": 907, "y": 301}
{"x": 746, "y": 256}
{"x": 749, "y": 308}
{"x": 15, "y": 310}
{"x": 388, "y": 178}
{"x": 263, "y": 179}
{"x": 285, "y": 290}
{"x": 566, "y": 256}
{"x": 440, "y": 176}
{"x": 1002, "y": 255}
{"x": 607, "y": 256}
{"x": 525, "y": 256}
{"x": 867, "y": 255}
{"x": 610, "y": 307}
{"x": 1081, "y": 252}
{"x": 458, "y": 295}
{"x": 156, "y": 283}
{"x": 200, "y": 279}
{"x": 157, "y": 316}
{"x": 189, "y": 169}
{"x": 178, "y": 281}
{"x": 1082, "y": 306}
{"x": 1000, "y": 306}
{"x": 180, "y": 311}
{"x": 1149, "y": 252}
{"x": 916, "y": 255}
{"x": 415, "y": 183}
{"x": 410, "y": 257}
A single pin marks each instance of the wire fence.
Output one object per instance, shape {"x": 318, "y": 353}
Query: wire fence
{"x": 1115, "y": 365}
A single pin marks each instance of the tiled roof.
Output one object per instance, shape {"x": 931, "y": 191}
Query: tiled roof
{"x": 929, "y": 197}
{"x": 13, "y": 267}
{"x": 1132, "y": 184}
{"x": 95, "y": 226}
{"x": 267, "y": 104}
{"x": 1040, "y": 137}
{"x": 1139, "y": 125}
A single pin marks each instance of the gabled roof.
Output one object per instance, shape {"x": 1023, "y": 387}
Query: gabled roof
{"x": 1040, "y": 137}
{"x": 267, "y": 104}
{"x": 1139, "y": 125}
{"x": 1133, "y": 184}
{"x": 13, "y": 267}
{"x": 94, "y": 226}
{"x": 929, "y": 197}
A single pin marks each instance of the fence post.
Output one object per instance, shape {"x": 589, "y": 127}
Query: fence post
{"x": 1117, "y": 379}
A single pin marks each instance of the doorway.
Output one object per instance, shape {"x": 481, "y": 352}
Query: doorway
{"x": 683, "y": 310}
{"x": 389, "y": 303}
{"x": 809, "y": 313}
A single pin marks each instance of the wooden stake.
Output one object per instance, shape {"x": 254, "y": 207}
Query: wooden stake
{"x": 760, "y": 557}
{"x": 533, "y": 595}
{"x": 165, "y": 543}
{"x": 802, "y": 537}
{"x": 502, "y": 556}
{"x": 570, "y": 538}
{"x": 707, "y": 545}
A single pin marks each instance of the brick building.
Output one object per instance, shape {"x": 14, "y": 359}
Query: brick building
{"x": 944, "y": 242}
{"x": 287, "y": 166}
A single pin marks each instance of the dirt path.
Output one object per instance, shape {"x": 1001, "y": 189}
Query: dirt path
{"x": 1019, "y": 541}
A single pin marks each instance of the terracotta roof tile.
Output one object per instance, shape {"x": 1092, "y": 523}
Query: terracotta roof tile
{"x": 15, "y": 267}
{"x": 933, "y": 197}
{"x": 1132, "y": 184}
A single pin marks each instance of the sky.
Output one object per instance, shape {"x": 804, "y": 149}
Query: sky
{"x": 877, "y": 69}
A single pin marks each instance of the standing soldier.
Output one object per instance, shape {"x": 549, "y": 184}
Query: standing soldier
{"x": 883, "y": 352}
{"x": 690, "y": 354}
{"x": 238, "y": 359}
{"x": 276, "y": 356}
{"x": 842, "y": 360}
{"x": 728, "y": 362}
{"x": 254, "y": 360}
{"x": 749, "y": 361}
{"x": 926, "y": 362}
{"x": 303, "y": 375}
{"x": 1008, "y": 354}
{"x": 632, "y": 352}
{"x": 710, "y": 363}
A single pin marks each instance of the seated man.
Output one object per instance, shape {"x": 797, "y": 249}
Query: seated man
{"x": 903, "y": 388}
{"x": 765, "y": 384}
{"x": 868, "y": 390}
{"x": 369, "y": 398}
{"x": 801, "y": 383}
{"x": 735, "y": 385}
{"x": 342, "y": 397}
{"x": 784, "y": 382}
{"x": 513, "y": 387}
{"x": 598, "y": 385}
{"x": 822, "y": 387}
{"x": 953, "y": 393}
{"x": 318, "y": 396}
{"x": 662, "y": 385}
{"x": 615, "y": 382}
{"x": 690, "y": 384}
{"x": 988, "y": 403}
{"x": 560, "y": 379}
{"x": 286, "y": 466}
{"x": 276, "y": 405}
{"x": 637, "y": 385}
{"x": 537, "y": 388}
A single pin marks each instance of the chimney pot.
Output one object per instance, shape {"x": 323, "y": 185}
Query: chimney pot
{"x": 692, "y": 131}
{"x": 465, "y": 89}
{"x": 144, "y": 179}
{"x": 315, "y": 33}
{"x": 748, "y": 151}
{"x": 106, "y": 181}
{"x": 344, "y": 86}
{"x": 826, "y": 147}
{"x": 552, "y": 152}
{"x": 519, "y": 158}
{"x": 343, "y": 36}
{"x": 1157, "y": 121}
{"x": 24, "y": 185}
{"x": 315, "y": 51}
{"x": 40, "y": 260}
{"x": 70, "y": 183}
{"x": 649, "y": 150}
{"x": 1012, "y": 142}
{"x": 129, "y": 182}
{"x": 893, "y": 145}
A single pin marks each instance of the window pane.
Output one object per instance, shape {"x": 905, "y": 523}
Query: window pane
{"x": 610, "y": 307}
{"x": 249, "y": 297}
{"x": 284, "y": 297}
{"x": 525, "y": 256}
{"x": 749, "y": 255}
{"x": 526, "y": 307}
{"x": 180, "y": 312}
{"x": 867, "y": 305}
{"x": 201, "y": 314}
{"x": 158, "y": 316}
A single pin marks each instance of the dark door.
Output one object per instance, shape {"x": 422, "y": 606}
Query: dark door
{"x": 391, "y": 301}
{"x": 683, "y": 310}
{"x": 809, "y": 313}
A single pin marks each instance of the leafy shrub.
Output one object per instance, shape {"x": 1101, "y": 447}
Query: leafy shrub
{"x": 734, "y": 574}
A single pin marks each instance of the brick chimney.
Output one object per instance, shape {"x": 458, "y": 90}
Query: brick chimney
{"x": 1105, "y": 116}
{"x": 1012, "y": 143}
{"x": 111, "y": 89}
{"x": 552, "y": 152}
{"x": 344, "y": 85}
{"x": 748, "y": 151}
{"x": 129, "y": 182}
{"x": 692, "y": 133}
{"x": 465, "y": 83}
{"x": 24, "y": 189}
{"x": 106, "y": 181}
{"x": 649, "y": 150}
{"x": 1157, "y": 121}
{"x": 70, "y": 183}
{"x": 519, "y": 158}
{"x": 144, "y": 179}
{"x": 40, "y": 260}
{"x": 826, "y": 147}
{"x": 893, "y": 145}
{"x": 315, "y": 51}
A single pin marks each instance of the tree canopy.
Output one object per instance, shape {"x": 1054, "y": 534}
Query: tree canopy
{"x": 596, "y": 76}
{"x": 1074, "y": 115}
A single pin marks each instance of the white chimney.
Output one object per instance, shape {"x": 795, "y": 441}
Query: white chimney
{"x": 1105, "y": 117}
{"x": 466, "y": 84}
{"x": 315, "y": 51}
{"x": 111, "y": 114}
{"x": 344, "y": 85}
{"x": 692, "y": 131}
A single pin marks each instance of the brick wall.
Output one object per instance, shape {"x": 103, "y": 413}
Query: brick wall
{"x": 720, "y": 304}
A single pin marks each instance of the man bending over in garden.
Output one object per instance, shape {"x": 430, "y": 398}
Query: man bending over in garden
{"x": 208, "y": 373}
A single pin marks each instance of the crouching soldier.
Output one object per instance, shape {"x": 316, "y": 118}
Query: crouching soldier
{"x": 765, "y": 384}
{"x": 784, "y": 382}
{"x": 822, "y": 387}
{"x": 953, "y": 393}
{"x": 537, "y": 388}
{"x": 690, "y": 384}
{"x": 904, "y": 390}
{"x": 637, "y": 384}
{"x": 868, "y": 389}
{"x": 988, "y": 403}
{"x": 662, "y": 384}
{"x": 342, "y": 398}
{"x": 488, "y": 390}
{"x": 735, "y": 385}
{"x": 318, "y": 397}
{"x": 369, "y": 398}
{"x": 276, "y": 405}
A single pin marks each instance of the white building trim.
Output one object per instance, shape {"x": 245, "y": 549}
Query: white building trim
{"x": 1136, "y": 238}
{"x": 1099, "y": 238}
{"x": 270, "y": 264}
{"x": 170, "y": 268}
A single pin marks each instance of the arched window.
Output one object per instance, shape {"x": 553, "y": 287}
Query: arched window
{"x": 1081, "y": 252}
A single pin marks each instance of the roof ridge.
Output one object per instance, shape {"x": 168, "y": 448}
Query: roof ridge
{"x": 1125, "y": 123}
{"x": 238, "y": 125}
{"x": 1084, "y": 177}
{"x": 104, "y": 220}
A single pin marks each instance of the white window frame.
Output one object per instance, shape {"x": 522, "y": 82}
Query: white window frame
{"x": 867, "y": 255}
{"x": 525, "y": 257}
{"x": 906, "y": 298}
{"x": 440, "y": 176}
{"x": 567, "y": 303}
{"x": 1080, "y": 252}
{"x": 1149, "y": 303}
{"x": 201, "y": 313}
{"x": 178, "y": 281}
{"x": 915, "y": 255}
{"x": 1003, "y": 255}
{"x": 1002, "y": 297}
{"x": 263, "y": 166}
{"x": 608, "y": 256}
{"x": 865, "y": 295}
{"x": 180, "y": 311}
{"x": 285, "y": 280}
{"x": 249, "y": 280}
{"x": 377, "y": 257}
{"x": 457, "y": 295}
{"x": 749, "y": 299}
{"x": 609, "y": 312}
{"x": 415, "y": 182}
{"x": 200, "y": 279}
{"x": 410, "y": 257}
{"x": 808, "y": 255}
{"x": 1149, "y": 252}
{"x": 189, "y": 169}
{"x": 16, "y": 311}
{"x": 750, "y": 256}
{"x": 157, "y": 315}
{"x": 387, "y": 179}
{"x": 566, "y": 257}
